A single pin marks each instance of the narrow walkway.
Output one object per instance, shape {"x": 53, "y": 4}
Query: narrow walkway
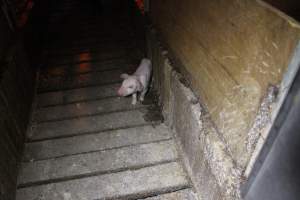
{"x": 86, "y": 143}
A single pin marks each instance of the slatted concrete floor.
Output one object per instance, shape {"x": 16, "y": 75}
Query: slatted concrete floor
{"x": 86, "y": 143}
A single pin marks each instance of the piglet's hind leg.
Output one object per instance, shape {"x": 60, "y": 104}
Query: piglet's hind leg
{"x": 142, "y": 96}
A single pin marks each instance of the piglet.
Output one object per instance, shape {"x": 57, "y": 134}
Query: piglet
{"x": 137, "y": 82}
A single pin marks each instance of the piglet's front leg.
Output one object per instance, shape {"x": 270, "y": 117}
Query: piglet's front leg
{"x": 134, "y": 98}
{"x": 142, "y": 97}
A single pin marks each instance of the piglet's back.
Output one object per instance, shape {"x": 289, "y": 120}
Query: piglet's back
{"x": 144, "y": 67}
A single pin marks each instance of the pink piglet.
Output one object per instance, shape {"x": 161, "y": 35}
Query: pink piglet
{"x": 138, "y": 82}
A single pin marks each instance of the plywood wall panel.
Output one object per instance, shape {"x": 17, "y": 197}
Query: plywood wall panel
{"x": 233, "y": 51}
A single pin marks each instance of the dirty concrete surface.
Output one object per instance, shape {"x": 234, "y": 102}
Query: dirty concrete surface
{"x": 85, "y": 142}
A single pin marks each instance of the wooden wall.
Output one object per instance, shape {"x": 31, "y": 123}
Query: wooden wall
{"x": 16, "y": 92}
{"x": 231, "y": 51}
{"x": 17, "y": 79}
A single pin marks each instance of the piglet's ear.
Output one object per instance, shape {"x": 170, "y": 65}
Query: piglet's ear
{"x": 124, "y": 76}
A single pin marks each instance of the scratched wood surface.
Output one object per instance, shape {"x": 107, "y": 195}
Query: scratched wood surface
{"x": 232, "y": 52}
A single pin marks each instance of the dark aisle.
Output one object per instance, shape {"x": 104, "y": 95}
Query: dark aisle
{"x": 85, "y": 142}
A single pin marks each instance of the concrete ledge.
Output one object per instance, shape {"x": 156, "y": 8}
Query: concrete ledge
{"x": 206, "y": 156}
{"x": 202, "y": 144}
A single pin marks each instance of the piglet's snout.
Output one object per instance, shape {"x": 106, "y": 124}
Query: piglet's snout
{"x": 120, "y": 93}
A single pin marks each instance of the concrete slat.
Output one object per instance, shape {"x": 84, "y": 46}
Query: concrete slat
{"x": 135, "y": 183}
{"x": 57, "y": 129}
{"x": 89, "y": 56}
{"x": 87, "y": 67}
{"x": 75, "y": 95}
{"x": 84, "y": 109}
{"x": 95, "y": 142}
{"x": 186, "y": 194}
{"x": 75, "y": 49}
{"x": 93, "y": 47}
{"x": 98, "y": 162}
{"x": 83, "y": 80}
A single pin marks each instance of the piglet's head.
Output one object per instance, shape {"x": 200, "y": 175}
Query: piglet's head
{"x": 130, "y": 85}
